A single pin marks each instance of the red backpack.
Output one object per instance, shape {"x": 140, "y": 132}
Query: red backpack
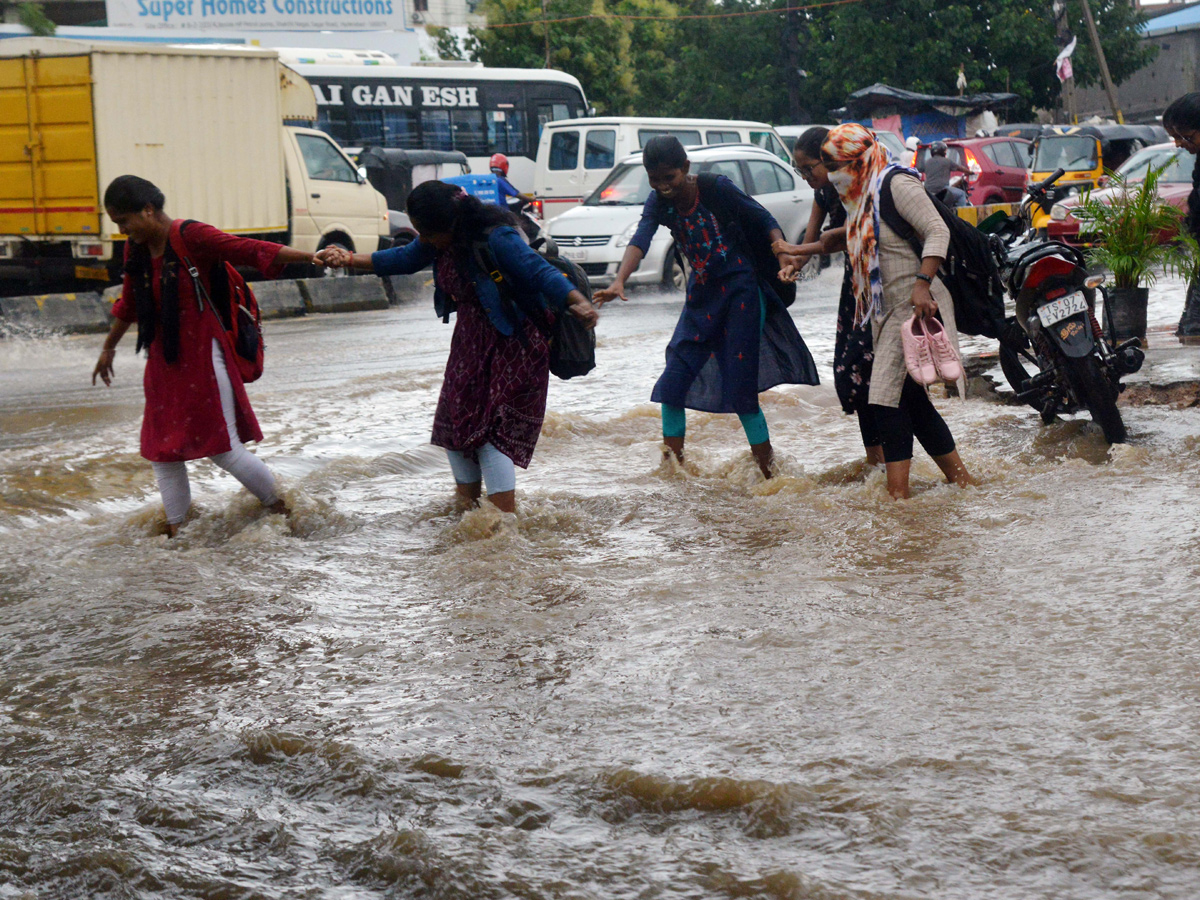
{"x": 233, "y": 303}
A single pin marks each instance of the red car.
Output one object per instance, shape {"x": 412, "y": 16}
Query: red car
{"x": 1174, "y": 185}
{"x": 998, "y": 167}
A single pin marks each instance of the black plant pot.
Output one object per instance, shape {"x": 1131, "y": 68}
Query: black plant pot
{"x": 1128, "y": 318}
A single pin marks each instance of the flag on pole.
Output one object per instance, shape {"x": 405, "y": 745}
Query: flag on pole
{"x": 1062, "y": 65}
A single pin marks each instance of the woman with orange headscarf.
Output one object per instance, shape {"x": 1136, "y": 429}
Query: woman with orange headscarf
{"x": 892, "y": 282}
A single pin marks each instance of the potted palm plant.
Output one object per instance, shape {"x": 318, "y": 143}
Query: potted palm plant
{"x": 1132, "y": 231}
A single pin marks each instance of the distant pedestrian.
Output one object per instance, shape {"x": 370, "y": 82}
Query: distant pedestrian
{"x": 852, "y": 352}
{"x": 493, "y": 400}
{"x": 734, "y": 338}
{"x": 891, "y": 283}
{"x": 196, "y": 404}
{"x": 1182, "y": 121}
{"x": 939, "y": 168}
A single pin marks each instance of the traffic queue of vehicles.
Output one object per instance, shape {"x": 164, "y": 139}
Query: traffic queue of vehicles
{"x": 247, "y": 158}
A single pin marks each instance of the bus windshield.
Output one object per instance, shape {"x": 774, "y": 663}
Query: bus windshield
{"x": 1074, "y": 153}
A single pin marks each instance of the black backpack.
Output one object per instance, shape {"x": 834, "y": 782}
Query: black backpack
{"x": 753, "y": 242}
{"x": 572, "y": 344}
{"x": 969, "y": 271}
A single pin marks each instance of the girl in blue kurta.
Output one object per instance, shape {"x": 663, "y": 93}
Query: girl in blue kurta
{"x": 735, "y": 337}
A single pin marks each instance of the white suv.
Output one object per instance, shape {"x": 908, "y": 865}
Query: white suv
{"x": 595, "y": 234}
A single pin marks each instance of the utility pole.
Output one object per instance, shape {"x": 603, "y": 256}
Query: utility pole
{"x": 1063, "y": 28}
{"x": 546, "y": 33}
{"x": 1108, "y": 82}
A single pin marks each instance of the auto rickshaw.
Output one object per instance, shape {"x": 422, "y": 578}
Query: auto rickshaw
{"x": 394, "y": 173}
{"x": 1085, "y": 153}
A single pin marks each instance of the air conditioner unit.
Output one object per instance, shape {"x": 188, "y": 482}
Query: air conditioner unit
{"x": 418, "y": 19}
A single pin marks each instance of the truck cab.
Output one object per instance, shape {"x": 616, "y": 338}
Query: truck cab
{"x": 331, "y": 200}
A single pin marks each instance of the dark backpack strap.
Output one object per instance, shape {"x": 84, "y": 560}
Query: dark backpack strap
{"x": 891, "y": 216}
{"x": 510, "y": 297}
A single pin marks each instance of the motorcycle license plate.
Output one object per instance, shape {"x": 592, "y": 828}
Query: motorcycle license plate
{"x": 1057, "y": 310}
{"x": 573, "y": 254}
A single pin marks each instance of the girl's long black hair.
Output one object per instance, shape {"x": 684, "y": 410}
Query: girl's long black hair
{"x": 439, "y": 208}
{"x": 131, "y": 194}
{"x": 1184, "y": 113}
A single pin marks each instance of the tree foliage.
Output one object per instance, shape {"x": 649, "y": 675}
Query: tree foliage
{"x": 738, "y": 66}
{"x": 33, "y": 16}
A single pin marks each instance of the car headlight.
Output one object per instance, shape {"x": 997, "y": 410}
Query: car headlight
{"x": 626, "y": 236}
{"x": 1059, "y": 212}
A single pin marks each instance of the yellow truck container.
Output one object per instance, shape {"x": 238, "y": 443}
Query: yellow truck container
{"x": 204, "y": 124}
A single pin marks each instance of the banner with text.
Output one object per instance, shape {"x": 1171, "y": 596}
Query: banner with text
{"x": 257, "y": 15}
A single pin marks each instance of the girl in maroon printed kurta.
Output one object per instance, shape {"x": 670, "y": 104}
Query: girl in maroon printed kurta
{"x": 196, "y": 403}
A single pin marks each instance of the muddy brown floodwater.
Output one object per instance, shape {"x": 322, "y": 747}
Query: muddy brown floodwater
{"x": 655, "y": 685}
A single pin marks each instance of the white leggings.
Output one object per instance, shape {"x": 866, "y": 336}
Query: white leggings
{"x": 491, "y": 467}
{"x": 238, "y": 461}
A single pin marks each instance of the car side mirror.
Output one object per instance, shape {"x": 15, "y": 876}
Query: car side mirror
{"x": 362, "y": 174}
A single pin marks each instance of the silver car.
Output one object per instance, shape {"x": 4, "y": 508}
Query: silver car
{"x": 596, "y": 233}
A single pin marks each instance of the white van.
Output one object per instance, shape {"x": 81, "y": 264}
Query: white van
{"x": 575, "y": 155}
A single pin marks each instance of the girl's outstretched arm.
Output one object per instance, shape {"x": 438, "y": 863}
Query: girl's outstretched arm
{"x": 629, "y": 263}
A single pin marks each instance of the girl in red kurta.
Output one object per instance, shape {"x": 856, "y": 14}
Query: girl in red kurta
{"x": 196, "y": 403}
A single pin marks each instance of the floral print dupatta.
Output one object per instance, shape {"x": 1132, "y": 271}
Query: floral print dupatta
{"x": 864, "y": 162}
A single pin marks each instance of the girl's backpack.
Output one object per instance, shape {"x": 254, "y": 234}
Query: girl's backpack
{"x": 572, "y": 344}
{"x": 969, "y": 272}
{"x": 233, "y": 303}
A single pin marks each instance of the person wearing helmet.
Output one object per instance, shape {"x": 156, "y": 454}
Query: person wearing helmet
{"x": 938, "y": 167}
{"x": 499, "y": 166}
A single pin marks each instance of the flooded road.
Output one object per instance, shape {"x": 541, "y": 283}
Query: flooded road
{"x": 656, "y": 685}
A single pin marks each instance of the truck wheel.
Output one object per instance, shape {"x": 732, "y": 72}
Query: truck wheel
{"x": 674, "y": 277}
{"x": 1092, "y": 389}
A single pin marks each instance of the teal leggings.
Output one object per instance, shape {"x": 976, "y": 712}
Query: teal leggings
{"x": 674, "y": 418}
{"x": 674, "y": 424}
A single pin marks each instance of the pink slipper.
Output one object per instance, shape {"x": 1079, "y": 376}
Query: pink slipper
{"x": 945, "y": 359}
{"x": 918, "y": 356}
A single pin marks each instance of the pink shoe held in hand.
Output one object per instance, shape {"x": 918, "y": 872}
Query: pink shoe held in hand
{"x": 918, "y": 356}
{"x": 945, "y": 359}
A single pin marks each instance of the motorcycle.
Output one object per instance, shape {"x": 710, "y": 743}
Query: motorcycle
{"x": 1076, "y": 365}
{"x": 533, "y": 228}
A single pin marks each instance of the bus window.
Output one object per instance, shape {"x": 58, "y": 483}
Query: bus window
{"x": 435, "y": 129}
{"x": 687, "y": 138}
{"x": 768, "y": 141}
{"x": 551, "y": 112}
{"x": 466, "y": 126}
{"x": 600, "y": 150}
{"x": 723, "y": 137}
{"x": 564, "y": 150}
{"x": 506, "y": 131}
{"x": 400, "y": 130}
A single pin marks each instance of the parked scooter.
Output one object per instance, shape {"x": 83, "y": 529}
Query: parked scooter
{"x": 1076, "y": 365}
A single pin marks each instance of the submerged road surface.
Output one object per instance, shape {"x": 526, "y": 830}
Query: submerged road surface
{"x": 654, "y": 685}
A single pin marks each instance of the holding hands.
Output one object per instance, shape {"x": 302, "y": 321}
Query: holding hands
{"x": 334, "y": 258}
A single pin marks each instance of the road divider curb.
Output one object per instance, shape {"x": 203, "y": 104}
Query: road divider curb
{"x": 78, "y": 313}
{"x": 348, "y": 294}
{"x": 279, "y": 299}
{"x": 88, "y": 311}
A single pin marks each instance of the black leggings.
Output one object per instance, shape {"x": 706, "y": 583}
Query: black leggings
{"x": 868, "y": 427}
{"x": 916, "y": 416}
